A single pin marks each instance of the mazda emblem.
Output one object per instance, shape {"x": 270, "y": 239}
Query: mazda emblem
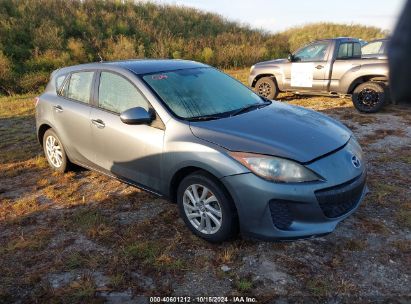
{"x": 355, "y": 161}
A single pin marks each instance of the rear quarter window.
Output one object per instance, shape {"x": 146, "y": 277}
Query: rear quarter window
{"x": 59, "y": 82}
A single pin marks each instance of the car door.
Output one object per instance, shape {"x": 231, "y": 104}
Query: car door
{"x": 71, "y": 115}
{"x": 132, "y": 152}
{"x": 308, "y": 69}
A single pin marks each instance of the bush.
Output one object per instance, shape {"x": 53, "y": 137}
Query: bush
{"x": 33, "y": 82}
{"x": 48, "y": 61}
{"x": 119, "y": 48}
{"x": 207, "y": 55}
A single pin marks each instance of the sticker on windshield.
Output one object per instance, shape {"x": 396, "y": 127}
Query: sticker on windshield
{"x": 302, "y": 74}
{"x": 159, "y": 77}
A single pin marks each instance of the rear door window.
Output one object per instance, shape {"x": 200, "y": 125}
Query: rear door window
{"x": 117, "y": 94}
{"x": 79, "y": 86}
{"x": 349, "y": 50}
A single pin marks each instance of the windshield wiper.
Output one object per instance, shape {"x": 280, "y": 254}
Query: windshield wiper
{"x": 250, "y": 107}
{"x": 205, "y": 117}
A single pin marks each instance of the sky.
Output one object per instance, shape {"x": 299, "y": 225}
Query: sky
{"x": 277, "y": 15}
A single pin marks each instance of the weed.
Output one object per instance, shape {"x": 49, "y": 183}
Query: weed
{"x": 318, "y": 287}
{"x": 404, "y": 218}
{"x": 227, "y": 255}
{"x": 146, "y": 251}
{"x": 355, "y": 245}
{"x": 244, "y": 285}
{"x": 117, "y": 280}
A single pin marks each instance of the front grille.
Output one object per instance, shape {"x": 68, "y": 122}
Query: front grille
{"x": 280, "y": 214}
{"x": 339, "y": 200}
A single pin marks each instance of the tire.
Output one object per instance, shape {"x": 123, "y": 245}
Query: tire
{"x": 187, "y": 206}
{"x": 54, "y": 151}
{"x": 267, "y": 87}
{"x": 369, "y": 97}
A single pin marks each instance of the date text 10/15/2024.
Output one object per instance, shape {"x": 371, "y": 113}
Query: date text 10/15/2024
{"x": 235, "y": 299}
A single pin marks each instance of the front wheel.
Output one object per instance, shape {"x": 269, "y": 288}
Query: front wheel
{"x": 369, "y": 97}
{"x": 206, "y": 208}
{"x": 267, "y": 87}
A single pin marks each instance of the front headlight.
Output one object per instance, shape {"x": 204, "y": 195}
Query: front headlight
{"x": 275, "y": 168}
{"x": 252, "y": 68}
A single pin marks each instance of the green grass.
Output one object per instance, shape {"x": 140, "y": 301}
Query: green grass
{"x": 244, "y": 285}
{"x": 404, "y": 218}
{"x": 75, "y": 260}
{"x": 318, "y": 287}
{"x": 146, "y": 251}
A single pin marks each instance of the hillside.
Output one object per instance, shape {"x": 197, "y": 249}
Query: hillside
{"x": 37, "y": 36}
{"x": 299, "y": 36}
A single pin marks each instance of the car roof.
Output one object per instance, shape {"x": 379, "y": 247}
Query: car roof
{"x": 377, "y": 40}
{"x": 340, "y": 39}
{"x": 145, "y": 66}
{"x": 140, "y": 66}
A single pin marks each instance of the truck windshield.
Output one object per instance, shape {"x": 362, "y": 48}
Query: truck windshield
{"x": 202, "y": 92}
{"x": 313, "y": 52}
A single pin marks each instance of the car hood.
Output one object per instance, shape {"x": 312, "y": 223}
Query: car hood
{"x": 279, "y": 130}
{"x": 272, "y": 62}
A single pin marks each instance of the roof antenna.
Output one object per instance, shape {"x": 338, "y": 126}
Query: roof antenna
{"x": 99, "y": 56}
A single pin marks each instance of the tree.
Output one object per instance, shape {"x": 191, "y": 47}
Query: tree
{"x": 5, "y": 73}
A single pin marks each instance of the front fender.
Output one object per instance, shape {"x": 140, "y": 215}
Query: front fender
{"x": 182, "y": 150}
{"x": 267, "y": 69}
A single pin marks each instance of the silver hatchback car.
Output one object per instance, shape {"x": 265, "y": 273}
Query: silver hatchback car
{"x": 231, "y": 160}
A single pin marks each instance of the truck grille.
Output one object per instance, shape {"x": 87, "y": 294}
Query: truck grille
{"x": 339, "y": 200}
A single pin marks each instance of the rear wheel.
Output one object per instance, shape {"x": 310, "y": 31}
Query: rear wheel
{"x": 54, "y": 151}
{"x": 206, "y": 208}
{"x": 369, "y": 97}
{"x": 267, "y": 87}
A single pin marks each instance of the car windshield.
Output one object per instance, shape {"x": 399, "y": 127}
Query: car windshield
{"x": 202, "y": 93}
{"x": 373, "y": 48}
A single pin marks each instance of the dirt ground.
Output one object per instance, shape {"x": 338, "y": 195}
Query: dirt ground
{"x": 82, "y": 237}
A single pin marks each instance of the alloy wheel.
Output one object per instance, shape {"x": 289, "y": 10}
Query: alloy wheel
{"x": 202, "y": 209}
{"x": 53, "y": 150}
{"x": 264, "y": 89}
{"x": 368, "y": 97}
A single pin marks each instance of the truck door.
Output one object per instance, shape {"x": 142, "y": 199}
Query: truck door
{"x": 347, "y": 59}
{"x": 308, "y": 71}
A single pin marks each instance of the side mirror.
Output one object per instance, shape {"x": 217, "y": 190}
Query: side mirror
{"x": 137, "y": 116}
{"x": 290, "y": 57}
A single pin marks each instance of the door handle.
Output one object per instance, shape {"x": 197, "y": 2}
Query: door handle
{"x": 58, "y": 108}
{"x": 319, "y": 67}
{"x": 98, "y": 122}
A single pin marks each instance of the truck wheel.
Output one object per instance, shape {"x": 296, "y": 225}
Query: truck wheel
{"x": 369, "y": 97}
{"x": 267, "y": 87}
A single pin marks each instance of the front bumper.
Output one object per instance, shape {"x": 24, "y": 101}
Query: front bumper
{"x": 275, "y": 211}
